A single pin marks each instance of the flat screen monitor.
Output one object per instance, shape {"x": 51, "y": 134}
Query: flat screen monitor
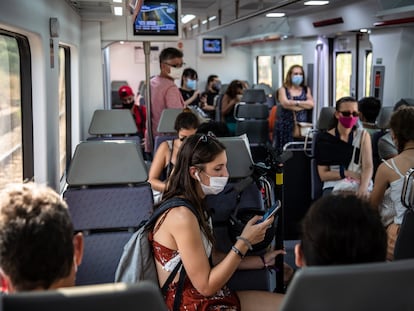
{"x": 157, "y": 18}
{"x": 212, "y": 46}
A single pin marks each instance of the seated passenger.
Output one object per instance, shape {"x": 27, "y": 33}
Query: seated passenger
{"x": 188, "y": 89}
{"x": 38, "y": 249}
{"x": 386, "y": 146}
{"x": 369, "y": 108}
{"x": 340, "y": 230}
{"x": 232, "y": 97}
{"x": 201, "y": 169}
{"x": 165, "y": 157}
{"x": 139, "y": 113}
{"x": 389, "y": 180}
{"x": 344, "y": 153}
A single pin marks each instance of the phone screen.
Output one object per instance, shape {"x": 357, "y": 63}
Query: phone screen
{"x": 271, "y": 211}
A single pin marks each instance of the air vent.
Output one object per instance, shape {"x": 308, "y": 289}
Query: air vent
{"x": 327, "y": 22}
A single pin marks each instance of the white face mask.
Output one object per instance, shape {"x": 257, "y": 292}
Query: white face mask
{"x": 176, "y": 73}
{"x": 217, "y": 184}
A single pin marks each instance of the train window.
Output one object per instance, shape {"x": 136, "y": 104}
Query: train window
{"x": 290, "y": 60}
{"x": 16, "y": 142}
{"x": 368, "y": 68}
{"x": 343, "y": 74}
{"x": 264, "y": 70}
{"x": 64, "y": 109}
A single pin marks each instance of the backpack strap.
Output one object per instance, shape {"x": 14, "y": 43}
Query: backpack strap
{"x": 166, "y": 205}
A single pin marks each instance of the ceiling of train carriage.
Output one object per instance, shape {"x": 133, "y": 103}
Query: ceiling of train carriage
{"x": 220, "y": 13}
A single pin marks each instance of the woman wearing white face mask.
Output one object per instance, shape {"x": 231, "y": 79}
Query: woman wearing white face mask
{"x": 181, "y": 235}
{"x": 296, "y": 101}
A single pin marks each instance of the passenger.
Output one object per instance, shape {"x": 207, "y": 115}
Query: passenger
{"x": 386, "y": 195}
{"x": 296, "y": 102}
{"x": 201, "y": 169}
{"x": 386, "y": 146}
{"x": 139, "y": 113}
{"x": 335, "y": 149}
{"x": 164, "y": 92}
{"x": 340, "y": 230}
{"x": 232, "y": 97}
{"x": 38, "y": 249}
{"x": 165, "y": 158}
{"x": 369, "y": 108}
{"x": 213, "y": 87}
{"x": 188, "y": 89}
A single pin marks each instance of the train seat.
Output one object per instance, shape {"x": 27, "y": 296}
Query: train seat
{"x": 108, "y": 196}
{"x": 382, "y": 122}
{"x": 103, "y": 297}
{"x": 375, "y": 286}
{"x": 251, "y": 116}
{"x": 270, "y": 94}
{"x": 240, "y": 165}
{"x": 116, "y": 124}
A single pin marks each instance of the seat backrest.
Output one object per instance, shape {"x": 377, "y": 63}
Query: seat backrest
{"x": 112, "y": 122}
{"x": 167, "y": 120}
{"x": 383, "y": 118}
{"x": 105, "y": 297}
{"x": 217, "y": 101}
{"x": 253, "y": 96}
{"x": 161, "y": 138}
{"x": 108, "y": 197}
{"x": 376, "y": 286}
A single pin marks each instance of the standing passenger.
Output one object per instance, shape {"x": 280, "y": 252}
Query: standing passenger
{"x": 201, "y": 169}
{"x": 369, "y": 108}
{"x": 164, "y": 92}
{"x": 296, "y": 100}
{"x": 389, "y": 180}
{"x": 38, "y": 248}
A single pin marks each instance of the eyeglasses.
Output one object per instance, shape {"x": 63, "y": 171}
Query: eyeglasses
{"x": 176, "y": 66}
{"x": 204, "y": 138}
{"x": 349, "y": 113}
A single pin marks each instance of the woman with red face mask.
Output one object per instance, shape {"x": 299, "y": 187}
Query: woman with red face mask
{"x": 344, "y": 153}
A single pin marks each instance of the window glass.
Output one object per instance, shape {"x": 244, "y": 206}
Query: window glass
{"x": 11, "y": 151}
{"x": 343, "y": 74}
{"x": 368, "y": 71}
{"x": 62, "y": 111}
{"x": 264, "y": 70}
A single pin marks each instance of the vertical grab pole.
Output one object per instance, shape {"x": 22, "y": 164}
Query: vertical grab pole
{"x": 280, "y": 285}
{"x": 147, "y": 51}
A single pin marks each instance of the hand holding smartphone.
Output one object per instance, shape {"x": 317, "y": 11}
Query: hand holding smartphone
{"x": 271, "y": 211}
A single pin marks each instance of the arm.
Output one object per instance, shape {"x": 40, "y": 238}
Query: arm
{"x": 367, "y": 166}
{"x": 380, "y": 185}
{"x": 185, "y": 230}
{"x": 192, "y": 98}
{"x": 286, "y": 103}
{"x": 159, "y": 162}
{"x": 227, "y": 104}
{"x": 308, "y": 103}
{"x": 325, "y": 173}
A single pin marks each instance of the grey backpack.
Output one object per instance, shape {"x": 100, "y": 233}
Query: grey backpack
{"x": 137, "y": 262}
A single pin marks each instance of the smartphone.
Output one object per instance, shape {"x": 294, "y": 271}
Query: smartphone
{"x": 272, "y": 210}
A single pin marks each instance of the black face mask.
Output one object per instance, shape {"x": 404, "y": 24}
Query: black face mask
{"x": 217, "y": 86}
{"x": 128, "y": 106}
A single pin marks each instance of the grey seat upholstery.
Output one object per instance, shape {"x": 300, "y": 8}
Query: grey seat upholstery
{"x": 105, "y": 297}
{"x": 251, "y": 116}
{"x": 377, "y": 286}
{"x": 108, "y": 197}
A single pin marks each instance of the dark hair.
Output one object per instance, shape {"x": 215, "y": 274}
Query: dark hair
{"x": 288, "y": 79}
{"x": 342, "y": 229}
{"x": 218, "y": 128}
{"x": 186, "y": 120}
{"x": 189, "y": 73}
{"x": 345, "y": 99}
{"x": 196, "y": 150}
{"x": 402, "y": 125}
{"x": 36, "y": 236}
{"x": 369, "y": 108}
{"x": 211, "y": 78}
{"x": 232, "y": 89}
{"x": 170, "y": 53}
{"x": 403, "y": 102}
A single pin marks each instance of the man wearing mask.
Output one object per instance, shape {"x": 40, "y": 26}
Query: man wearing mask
{"x": 164, "y": 92}
{"x": 212, "y": 88}
{"x": 139, "y": 113}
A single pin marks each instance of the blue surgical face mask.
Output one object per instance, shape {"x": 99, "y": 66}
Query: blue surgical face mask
{"x": 297, "y": 79}
{"x": 191, "y": 84}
